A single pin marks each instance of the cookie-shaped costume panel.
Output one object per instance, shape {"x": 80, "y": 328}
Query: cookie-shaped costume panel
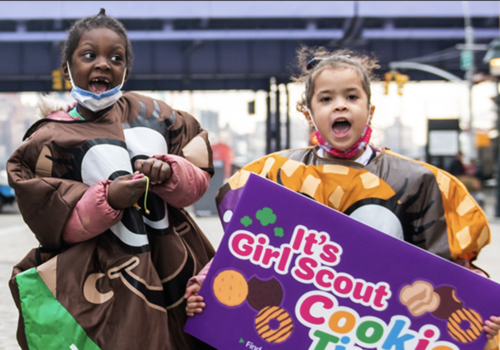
{"x": 178, "y": 247}
{"x": 40, "y": 186}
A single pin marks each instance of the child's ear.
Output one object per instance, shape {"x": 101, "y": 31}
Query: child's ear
{"x": 308, "y": 117}
{"x": 64, "y": 69}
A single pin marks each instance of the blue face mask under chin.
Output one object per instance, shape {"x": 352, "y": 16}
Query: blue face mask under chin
{"x": 96, "y": 102}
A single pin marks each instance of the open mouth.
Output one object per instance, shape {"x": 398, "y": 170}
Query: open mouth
{"x": 99, "y": 85}
{"x": 341, "y": 127}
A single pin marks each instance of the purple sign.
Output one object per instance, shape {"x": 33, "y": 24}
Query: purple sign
{"x": 291, "y": 273}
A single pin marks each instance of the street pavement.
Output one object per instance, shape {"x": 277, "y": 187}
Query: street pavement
{"x": 16, "y": 240}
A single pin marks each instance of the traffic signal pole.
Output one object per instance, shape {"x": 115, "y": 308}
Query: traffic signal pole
{"x": 467, "y": 64}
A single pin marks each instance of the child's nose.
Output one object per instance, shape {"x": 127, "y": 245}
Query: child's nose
{"x": 340, "y": 106}
{"x": 102, "y": 64}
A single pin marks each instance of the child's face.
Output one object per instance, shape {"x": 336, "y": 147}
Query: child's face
{"x": 340, "y": 106}
{"x": 98, "y": 63}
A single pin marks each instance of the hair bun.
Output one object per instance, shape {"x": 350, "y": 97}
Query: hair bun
{"x": 102, "y": 12}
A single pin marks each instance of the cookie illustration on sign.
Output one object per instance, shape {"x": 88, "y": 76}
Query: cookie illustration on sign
{"x": 274, "y": 324}
{"x": 464, "y": 325}
{"x": 449, "y": 302}
{"x": 264, "y": 293}
{"x": 419, "y": 298}
{"x": 230, "y": 288}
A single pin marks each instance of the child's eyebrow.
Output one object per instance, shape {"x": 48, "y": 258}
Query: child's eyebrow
{"x": 117, "y": 46}
{"x": 325, "y": 92}
{"x": 113, "y": 47}
{"x": 349, "y": 89}
{"x": 352, "y": 89}
{"x": 87, "y": 42}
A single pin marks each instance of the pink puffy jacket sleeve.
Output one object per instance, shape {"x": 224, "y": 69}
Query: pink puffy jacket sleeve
{"x": 200, "y": 278}
{"x": 92, "y": 215}
{"x": 187, "y": 184}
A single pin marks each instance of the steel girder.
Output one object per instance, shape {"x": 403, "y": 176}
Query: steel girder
{"x": 208, "y": 65}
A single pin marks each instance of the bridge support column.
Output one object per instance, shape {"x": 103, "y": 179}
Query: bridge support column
{"x": 273, "y": 125}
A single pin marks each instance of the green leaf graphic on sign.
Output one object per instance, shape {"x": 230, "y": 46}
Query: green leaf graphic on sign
{"x": 246, "y": 221}
{"x": 241, "y": 340}
{"x": 278, "y": 232}
{"x": 266, "y": 216}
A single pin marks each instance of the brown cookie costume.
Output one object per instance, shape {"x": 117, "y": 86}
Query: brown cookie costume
{"x": 124, "y": 288}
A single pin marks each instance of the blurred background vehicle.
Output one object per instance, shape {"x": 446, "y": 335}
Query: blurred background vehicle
{"x": 7, "y": 195}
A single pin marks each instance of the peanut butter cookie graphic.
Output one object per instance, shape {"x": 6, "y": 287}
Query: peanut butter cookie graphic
{"x": 419, "y": 298}
{"x": 230, "y": 288}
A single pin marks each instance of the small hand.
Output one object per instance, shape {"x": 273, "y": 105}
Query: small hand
{"x": 157, "y": 170}
{"x": 492, "y": 326}
{"x": 123, "y": 192}
{"x": 195, "y": 302}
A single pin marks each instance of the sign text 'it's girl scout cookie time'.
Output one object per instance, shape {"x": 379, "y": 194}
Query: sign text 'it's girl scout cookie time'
{"x": 293, "y": 274}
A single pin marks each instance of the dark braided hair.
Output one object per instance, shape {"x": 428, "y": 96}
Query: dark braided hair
{"x": 91, "y": 22}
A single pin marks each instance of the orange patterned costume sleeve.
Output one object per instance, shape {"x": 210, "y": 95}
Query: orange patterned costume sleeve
{"x": 407, "y": 199}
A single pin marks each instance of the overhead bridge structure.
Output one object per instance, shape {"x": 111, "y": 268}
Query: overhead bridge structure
{"x": 216, "y": 45}
{"x": 240, "y": 44}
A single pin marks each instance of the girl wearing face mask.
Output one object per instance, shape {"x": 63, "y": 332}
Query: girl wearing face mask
{"x": 102, "y": 184}
{"x": 410, "y": 200}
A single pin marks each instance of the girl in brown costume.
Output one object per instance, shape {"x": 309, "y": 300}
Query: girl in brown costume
{"x": 108, "y": 274}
